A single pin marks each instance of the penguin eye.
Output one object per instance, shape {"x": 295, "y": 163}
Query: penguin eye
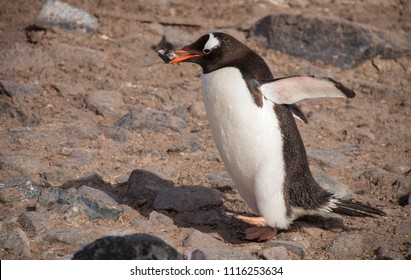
{"x": 206, "y": 51}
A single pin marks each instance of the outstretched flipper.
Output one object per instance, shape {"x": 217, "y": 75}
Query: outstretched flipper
{"x": 289, "y": 90}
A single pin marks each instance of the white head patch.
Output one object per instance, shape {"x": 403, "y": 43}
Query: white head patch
{"x": 212, "y": 42}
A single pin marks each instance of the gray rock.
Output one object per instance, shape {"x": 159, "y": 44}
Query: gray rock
{"x": 184, "y": 144}
{"x": 56, "y": 13}
{"x": 18, "y": 188}
{"x": 174, "y": 38}
{"x": 160, "y": 219}
{"x": 70, "y": 236}
{"x": 13, "y": 238}
{"x": 131, "y": 247}
{"x": 98, "y": 204}
{"x": 20, "y": 91}
{"x": 406, "y": 228}
{"x": 336, "y": 42}
{"x": 221, "y": 180}
{"x": 199, "y": 240}
{"x": 80, "y": 131}
{"x": 329, "y": 183}
{"x": 76, "y": 159}
{"x": 144, "y": 185}
{"x": 220, "y": 254}
{"x": 203, "y": 218}
{"x": 347, "y": 246}
{"x": 197, "y": 110}
{"x": 34, "y": 221}
{"x": 187, "y": 198}
{"x": 275, "y": 253}
{"x": 384, "y": 253}
{"x": 25, "y": 164}
{"x": 295, "y": 247}
{"x": 105, "y": 102}
{"x": 75, "y": 56}
{"x": 69, "y": 89}
{"x": 150, "y": 119}
{"x": 8, "y": 110}
{"x": 51, "y": 196}
{"x": 327, "y": 157}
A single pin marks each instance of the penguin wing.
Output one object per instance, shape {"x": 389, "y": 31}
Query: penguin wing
{"x": 288, "y": 90}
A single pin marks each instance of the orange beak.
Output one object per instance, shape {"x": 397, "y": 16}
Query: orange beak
{"x": 176, "y": 56}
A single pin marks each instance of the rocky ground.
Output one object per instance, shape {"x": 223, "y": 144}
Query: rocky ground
{"x": 100, "y": 137}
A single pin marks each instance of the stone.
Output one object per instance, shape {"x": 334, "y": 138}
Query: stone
{"x": 105, "y": 102}
{"x": 336, "y": 42}
{"x": 210, "y": 218}
{"x": 347, "y": 246}
{"x": 25, "y": 164}
{"x": 184, "y": 144}
{"x": 145, "y": 185}
{"x": 18, "y": 188}
{"x": 220, "y": 254}
{"x": 8, "y": 110}
{"x": 49, "y": 197}
{"x": 56, "y": 13}
{"x": 20, "y": 91}
{"x": 174, "y": 38}
{"x": 73, "y": 235}
{"x": 332, "y": 185}
{"x": 197, "y": 110}
{"x": 200, "y": 240}
{"x": 275, "y": 253}
{"x": 292, "y": 246}
{"x": 384, "y": 253}
{"x": 150, "y": 119}
{"x": 98, "y": 204}
{"x": 406, "y": 229}
{"x": 327, "y": 157}
{"x": 131, "y": 247}
{"x": 34, "y": 221}
{"x": 13, "y": 238}
{"x": 74, "y": 56}
{"x": 160, "y": 219}
{"x": 187, "y": 198}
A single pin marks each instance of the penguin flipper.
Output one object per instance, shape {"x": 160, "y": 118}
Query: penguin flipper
{"x": 288, "y": 90}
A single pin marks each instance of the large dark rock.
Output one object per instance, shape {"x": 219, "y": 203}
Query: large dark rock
{"x": 131, "y": 247}
{"x": 336, "y": 42}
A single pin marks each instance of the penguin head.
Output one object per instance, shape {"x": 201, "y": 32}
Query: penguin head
{"x": 211, "y": 51}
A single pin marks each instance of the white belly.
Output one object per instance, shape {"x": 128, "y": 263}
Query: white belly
{"x": 249, "y": 141}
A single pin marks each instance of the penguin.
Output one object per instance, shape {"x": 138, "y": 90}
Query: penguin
{"x": 251, "y": 116}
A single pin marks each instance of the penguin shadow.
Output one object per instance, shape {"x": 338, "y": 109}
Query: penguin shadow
{"x": 141, "y": 194}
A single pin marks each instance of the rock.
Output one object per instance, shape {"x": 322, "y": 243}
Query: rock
{"x": 69, "y": 56}
{"x": 183, "y": 144}
{"x": 174, "y": 38}
{"x": 56, "y": 13}
{"x": 199, "y": 240}
{"x": 69, "y": 89}
{"x": 291, "y": 246}
{"x": 130, "y": 247}
{"x": 80, "y": 130}
{"x": 18, "y": 188}
{"x": 105, "y": 102}
{"x": 336, "y": 42}
{"x": 20, "y": 91}
{"x": 13, "y": 238}
{"x": 51, "y": 196}
{"x": 160, "y": 219}
{"x": 8, "y": 110}
{"x": 220, "y": 254}
{"x": 187, "y": 198}
{"x": 34, "y": 221}
{"x": 406, "y": 228}
{"x": 197, "y": 110}
{"x": 221, "y": 180}
{"x": 329, "y": 183}
{"x": 80, "y": 236}
{"x": 145, "y": 185}
{"x": 384, "y": 253}
{"x": 76, "y": 159}
{"x": 327, "y": 157}
{"x": 98, "y": 204}
{"x": 275, "y": 253}
{"x": 150, "y": 119}
{"x": 375, "y": 175}
{"x": 203, "y": 218}
{"x": 347, "y": 246}
{"x": 25, "y": 164}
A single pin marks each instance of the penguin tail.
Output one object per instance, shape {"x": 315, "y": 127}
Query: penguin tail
{"x": 354, "y": 208}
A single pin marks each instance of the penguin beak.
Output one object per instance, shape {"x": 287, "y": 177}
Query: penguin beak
{"x": 176, "y": 56}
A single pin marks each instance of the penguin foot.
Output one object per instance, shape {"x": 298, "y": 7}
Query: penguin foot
{"x": 260, "y": 233}
{"x": 255, "y": 221}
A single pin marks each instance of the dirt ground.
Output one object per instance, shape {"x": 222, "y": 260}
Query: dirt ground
{"x": 372, "y": 131}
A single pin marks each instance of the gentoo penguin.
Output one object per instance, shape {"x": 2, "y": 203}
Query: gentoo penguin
{"x": 251, "y": 119}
